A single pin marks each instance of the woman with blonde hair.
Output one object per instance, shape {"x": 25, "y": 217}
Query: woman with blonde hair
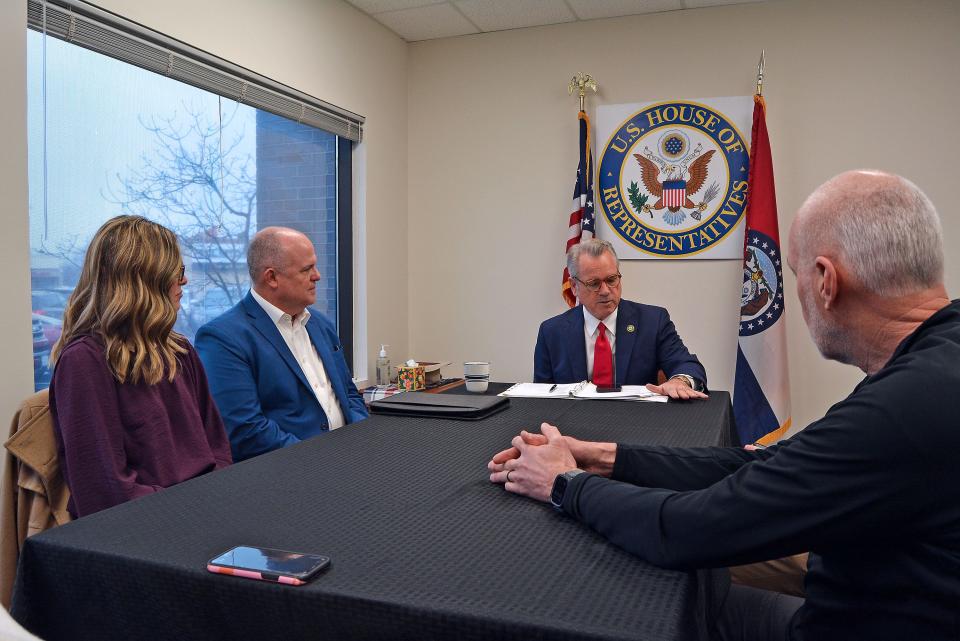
{"x": 131, "y": 408}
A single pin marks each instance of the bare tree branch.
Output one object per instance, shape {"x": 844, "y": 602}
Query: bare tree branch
{"x": 203, "y": 187}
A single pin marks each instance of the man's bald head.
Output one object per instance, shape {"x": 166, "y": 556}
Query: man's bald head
{"x": 881, "y": 226}
{"x": 283, "y": 268}
{"x": 269, "y": 249}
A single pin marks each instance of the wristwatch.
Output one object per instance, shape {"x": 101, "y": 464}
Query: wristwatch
{"x": 560, "y": 487}
{"x": 689, "y": 380}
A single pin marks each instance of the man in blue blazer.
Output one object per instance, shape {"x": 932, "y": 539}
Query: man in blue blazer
{"x": 276, "y": 370}
{"x": 642, "y": 337}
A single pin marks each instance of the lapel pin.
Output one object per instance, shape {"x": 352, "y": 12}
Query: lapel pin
{"x": 631, "y": 329}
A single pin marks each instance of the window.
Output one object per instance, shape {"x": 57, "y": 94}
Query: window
{"x": 107, "y": 137}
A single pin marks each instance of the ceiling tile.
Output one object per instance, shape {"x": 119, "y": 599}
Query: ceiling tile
{"x": 425, "y": 23}
{"x": 415, "y": 20}
{"x": 379, "y": 6}
{"x": 693, "y": 4}
{"x": 594, "y": 9}
{"x": 495, "y": 15}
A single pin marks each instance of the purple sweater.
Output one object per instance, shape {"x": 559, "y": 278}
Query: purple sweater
{"x": 118, "y": 442}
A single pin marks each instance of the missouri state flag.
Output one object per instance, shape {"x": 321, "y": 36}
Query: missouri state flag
{"x": 761, "y": 391}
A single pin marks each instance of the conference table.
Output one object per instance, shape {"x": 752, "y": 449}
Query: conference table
{"x": 422, "y": 545}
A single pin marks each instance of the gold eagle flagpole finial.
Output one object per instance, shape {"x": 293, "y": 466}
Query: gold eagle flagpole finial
{"x": 760, "y": 74}
{"x": 581, "y": 82}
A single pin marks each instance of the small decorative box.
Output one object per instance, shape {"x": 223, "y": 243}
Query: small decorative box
{"x": 411, "y": 379}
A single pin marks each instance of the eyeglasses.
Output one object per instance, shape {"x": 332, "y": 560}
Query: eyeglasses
{"x": 594, "y": 285}
{"x": 183, "y": 271}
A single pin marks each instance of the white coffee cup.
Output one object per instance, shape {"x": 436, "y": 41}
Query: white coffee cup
{"x": 476, "y": 368}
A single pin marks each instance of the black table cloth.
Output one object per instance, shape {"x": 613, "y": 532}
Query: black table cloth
{"x": 423, "y": 546}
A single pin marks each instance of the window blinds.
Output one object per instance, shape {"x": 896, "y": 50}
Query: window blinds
{"x": 104, "y": 32}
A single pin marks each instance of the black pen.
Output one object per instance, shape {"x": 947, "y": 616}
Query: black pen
{"x": 552, "y": 387}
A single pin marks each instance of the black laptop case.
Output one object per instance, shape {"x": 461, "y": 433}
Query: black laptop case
{"x": 457, "y": 406}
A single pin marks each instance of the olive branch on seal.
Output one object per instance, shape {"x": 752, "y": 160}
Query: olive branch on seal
{"x": 637, "y": 199}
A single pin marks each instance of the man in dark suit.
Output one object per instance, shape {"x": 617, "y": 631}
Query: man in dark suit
{"x": 640, "y": 340}
{"x": 276, "y": 370}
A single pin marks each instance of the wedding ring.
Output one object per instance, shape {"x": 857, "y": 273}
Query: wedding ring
{"x": 508, "y": 475}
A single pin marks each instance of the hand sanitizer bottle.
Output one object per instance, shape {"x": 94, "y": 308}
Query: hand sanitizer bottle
{"x": 383, "y": 366}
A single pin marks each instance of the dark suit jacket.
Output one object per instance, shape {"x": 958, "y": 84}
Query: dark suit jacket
{"x": 561, "y": 353}
{"x": 263, "y": 395}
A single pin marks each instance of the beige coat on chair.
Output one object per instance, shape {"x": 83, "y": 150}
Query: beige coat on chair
{"x": 34, "y": 495}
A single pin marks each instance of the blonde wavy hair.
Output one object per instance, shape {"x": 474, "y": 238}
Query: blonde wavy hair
{"x": 123, "y": 297}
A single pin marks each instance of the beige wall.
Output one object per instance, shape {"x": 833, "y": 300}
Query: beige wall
{"x": 16, "y": 365}
{"x": 493, "y": 149}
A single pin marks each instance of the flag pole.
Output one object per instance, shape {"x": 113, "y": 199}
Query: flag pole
{"x": 581, "y": 82}
{"x": 580, "y": 225}
{"x": 759, "y": 74}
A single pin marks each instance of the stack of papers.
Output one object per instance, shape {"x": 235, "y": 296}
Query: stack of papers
{"x": 540, "y": 390}
{"x": 582, "y": 390}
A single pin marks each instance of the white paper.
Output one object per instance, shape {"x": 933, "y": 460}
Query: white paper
{"x": 584, "y": 390}
{"x": 626, "y": 393}
{"x": 540, "y": 390}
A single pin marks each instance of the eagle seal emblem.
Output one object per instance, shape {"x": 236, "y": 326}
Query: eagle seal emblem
{"x": 673, "y": 178}
{"x": 761, "y": 299}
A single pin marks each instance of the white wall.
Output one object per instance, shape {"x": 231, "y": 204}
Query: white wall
{"x": 493, "y": 150}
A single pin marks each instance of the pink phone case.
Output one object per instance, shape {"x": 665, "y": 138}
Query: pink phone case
{"x": 251, "y": 574}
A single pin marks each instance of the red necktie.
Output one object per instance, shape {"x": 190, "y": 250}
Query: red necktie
{"x": 602, "y": 360}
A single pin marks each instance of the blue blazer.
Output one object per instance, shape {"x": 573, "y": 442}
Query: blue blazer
{"x": 561, "y": 352}
{"x": 263, "y": 395}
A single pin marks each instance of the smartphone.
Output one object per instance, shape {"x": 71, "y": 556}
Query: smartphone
{"x": 608, "y": 390}
{"x": 266, "y": 564}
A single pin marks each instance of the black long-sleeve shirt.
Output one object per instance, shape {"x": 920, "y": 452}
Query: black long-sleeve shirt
{"x": 872, "y": 490}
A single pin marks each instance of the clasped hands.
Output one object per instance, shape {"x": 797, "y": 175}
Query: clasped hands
{"x": 533, "y": 461}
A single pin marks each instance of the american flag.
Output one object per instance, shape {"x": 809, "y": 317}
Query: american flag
{"x": 581, "y": 219}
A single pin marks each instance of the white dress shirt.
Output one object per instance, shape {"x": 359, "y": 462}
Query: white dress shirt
{"x": 590, "y": 332}
{"x": 294, "y": 332}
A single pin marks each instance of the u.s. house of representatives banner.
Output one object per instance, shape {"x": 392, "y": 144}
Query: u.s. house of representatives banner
{"x": 672, "y": 177}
